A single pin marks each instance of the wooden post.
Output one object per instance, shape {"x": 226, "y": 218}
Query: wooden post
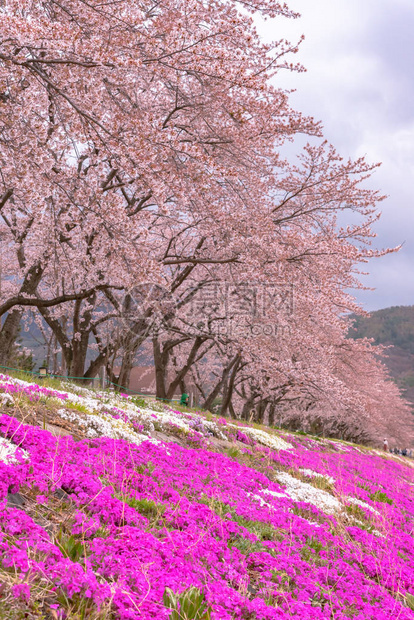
{"x": 103, "y": 378}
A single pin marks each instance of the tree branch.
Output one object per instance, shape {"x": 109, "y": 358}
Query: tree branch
{"x": 47, "y": 303}
{"x": 3, "y": 199}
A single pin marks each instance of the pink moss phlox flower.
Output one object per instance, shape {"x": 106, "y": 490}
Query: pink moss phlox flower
{"x": 155, "y": 516}
{"x": 21, "y": 591}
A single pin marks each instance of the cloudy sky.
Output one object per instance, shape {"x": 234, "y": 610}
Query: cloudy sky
{"x": 359, "y": 56}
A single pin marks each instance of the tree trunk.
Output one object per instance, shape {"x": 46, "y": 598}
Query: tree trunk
{"x": 79, "y": 352}
{"x": 231, "y": 410}
{"x": 55, "y": 356}
{"x": 208, "y": 402}
{"x": 271, "y": 420}
{"x": 183, "y": 372}
{"x": 10, "y": 329}
{"x": 247, "y": 407}
{"x": 160, "y": 362}
{"x": 126, "y": 367}
{"x": 60, "y": 333}
{"x": 8, "y": 335}
{"x": 261, "y": 410}
{"x": 131, "y": 345}
{"x": 229, "y": 387}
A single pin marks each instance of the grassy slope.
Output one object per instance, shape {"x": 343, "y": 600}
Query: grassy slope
{"x": 393, "y": 326}
{"x": 123, "y": 506}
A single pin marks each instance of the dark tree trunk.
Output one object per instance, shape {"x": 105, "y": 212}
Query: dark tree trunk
{"x": 229, "y": 387}
{"x": 271, "y": 420}
{"x": 10, "y": 328}
{"x": 208, "y": 402}
{"x": 261, "y": 410}
{"x": 231, "y": 410}
{"x": 126, "y": 367}
{"x": 179, "y": 379}
{"x": 8, "y": 335}
{"x": 160, "y": 362}
{"x": 60, "y": 334}
{"x": 79, "y": 352}
{"x": 247, "y": 407}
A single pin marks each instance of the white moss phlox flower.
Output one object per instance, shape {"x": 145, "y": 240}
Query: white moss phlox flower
{"x": 6, "y": 399}
{"x": 101, "y": 425}
{"x": 303, "y": 492}
{"x": 314, "y": 474}
{"x": 8, "y": 451}
{"x": 271, "y": 441}
{"x": 359, "y": 502}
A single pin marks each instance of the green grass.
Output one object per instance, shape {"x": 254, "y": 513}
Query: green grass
{"x": 77, "y": 407}
{"x": 153, "y": 511}
{"x": 30, "y": 377}
{"x": 145, "y": 468}
{"x": 12, "y": 609}
{"x": 139, "y": 402}
{"x": 356, "y": 511}
{"x": 409, "y": 601}
{"x": 263, "y": 531}
{"x": 379, "y": 496}
{"x": 70, "y": 546}
{"x": 189, "y": 605}
{"x": 233, "y": 453}
{"x": 311, "y": 551}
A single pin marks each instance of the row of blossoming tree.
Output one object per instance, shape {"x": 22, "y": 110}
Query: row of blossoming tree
{"x": 145, "y": 201}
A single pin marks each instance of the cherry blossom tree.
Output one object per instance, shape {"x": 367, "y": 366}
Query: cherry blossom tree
{"x": 112, "y": 119}
{"x": 141, "y": 148}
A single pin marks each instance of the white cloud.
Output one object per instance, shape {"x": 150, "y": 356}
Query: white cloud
{"x": 360, "y": 84}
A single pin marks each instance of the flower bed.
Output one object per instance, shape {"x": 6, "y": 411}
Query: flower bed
{"x": 111, "y": 524}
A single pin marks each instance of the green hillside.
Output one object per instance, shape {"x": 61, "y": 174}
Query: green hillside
{"x": 392, "y": 326}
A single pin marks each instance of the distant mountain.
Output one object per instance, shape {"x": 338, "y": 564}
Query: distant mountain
{"x": 34, "y": 341}
{"x": 392, "y": 326}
